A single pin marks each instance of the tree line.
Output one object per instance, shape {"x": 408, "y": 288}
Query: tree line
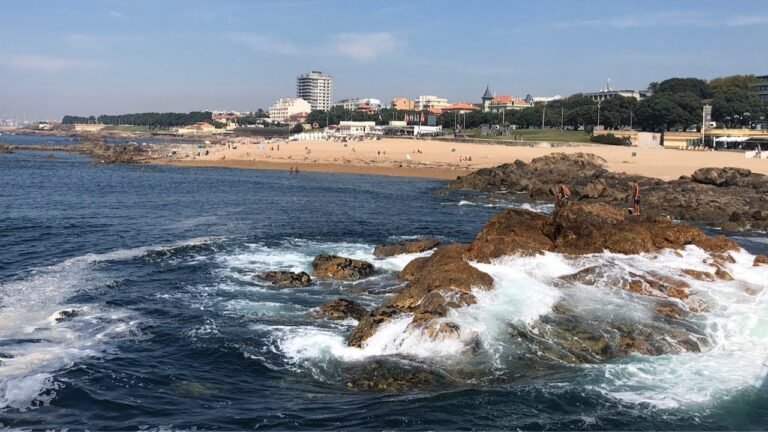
{"x": 152, "y": 120}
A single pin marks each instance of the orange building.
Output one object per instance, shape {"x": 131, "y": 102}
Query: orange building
{"x": 402, "y": 104}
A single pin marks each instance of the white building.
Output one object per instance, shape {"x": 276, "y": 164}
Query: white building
{"x": 316, "y": 88}
{"x": 355, "y": 127}
{"x": 353, "y": 104}
{"x": 284, "y": 108}
{"x": 426, "y": 103}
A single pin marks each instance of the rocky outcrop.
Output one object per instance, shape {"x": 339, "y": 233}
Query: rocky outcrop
{"x": 286, "y": 278}
{"x": 341, "y": 309}
{"x": 405, "y": 247}
{"x": 337, "y": 267}
{"x": 732, "y": 198}
{"x": 437, "y": 283}
{"x": 760, "y": 260}
{"x": 445, "y": 281}
{"x": 581, "y": 228}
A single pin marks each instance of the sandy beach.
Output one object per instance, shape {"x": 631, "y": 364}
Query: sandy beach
{"x": 440, "y": 159}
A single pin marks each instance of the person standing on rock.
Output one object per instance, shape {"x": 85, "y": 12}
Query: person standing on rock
{"x": 636, "y": 199}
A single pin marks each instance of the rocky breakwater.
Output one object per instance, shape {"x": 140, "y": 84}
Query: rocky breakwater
{"x": 441, "y": 286}
{"x": 731, "y": 198}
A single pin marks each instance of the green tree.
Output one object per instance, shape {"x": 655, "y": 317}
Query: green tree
{"x": 730, "y": 83}
{"x": 297, "y": 129}
{"x": 696, "y": 86}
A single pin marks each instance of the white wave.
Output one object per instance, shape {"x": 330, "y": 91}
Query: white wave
{"x": 539, "y": 207}
{"x": 44, "y": 333}
{"x": 525, "y": 288}
{"x": 297, "y": 256}
{"x": 518, "y": 296}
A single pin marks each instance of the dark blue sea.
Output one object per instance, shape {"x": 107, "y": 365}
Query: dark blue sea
{"x": 128, "y": 301}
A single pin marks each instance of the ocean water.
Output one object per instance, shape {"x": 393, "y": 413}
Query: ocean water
{"x": 128, "y": 301}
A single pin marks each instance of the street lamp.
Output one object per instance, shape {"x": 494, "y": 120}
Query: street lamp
{"x": 598, "y": 113}
{"x": 746, "y": 119}
{"x": 728, "y": 121}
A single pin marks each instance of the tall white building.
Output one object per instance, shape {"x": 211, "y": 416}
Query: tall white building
{"x": 284, "y": 108}
{"x": 316, "y": 88}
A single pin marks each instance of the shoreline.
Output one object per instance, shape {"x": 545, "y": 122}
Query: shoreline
{"x": 334, "y": 168}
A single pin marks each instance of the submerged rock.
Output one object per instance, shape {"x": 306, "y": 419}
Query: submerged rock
{"x": 341, "y": 309}
{"x": 760, "y": 260}
{"x": 337, "y": 267}
{"x": 405, "y": 247}
{"x": 286, "y": 278}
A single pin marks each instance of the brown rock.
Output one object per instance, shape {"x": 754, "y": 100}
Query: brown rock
{"x": 404, "y": 247}
{"x": 722, "y": 274}
{"x": 341, "y": 309}
{"x": 717, "y": 244}
{"x": 439, "y": 282}
{"x": 286, "y": 278}
{"x": 760, "y": 260}
{"x": 508, "y": 232}
{"x": 332, "y": 266}
{"x": 700, "y": 275}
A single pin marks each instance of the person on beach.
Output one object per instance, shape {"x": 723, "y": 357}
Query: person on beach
{"x": 291, "y": 170}
{"x": 636, "y": 199}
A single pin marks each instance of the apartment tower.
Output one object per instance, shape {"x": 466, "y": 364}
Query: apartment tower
{"x": 316, "y": 88}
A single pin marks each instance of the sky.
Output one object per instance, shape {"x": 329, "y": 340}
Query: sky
{"x": 91, "y": 57}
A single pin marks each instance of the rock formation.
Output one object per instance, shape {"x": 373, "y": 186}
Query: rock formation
{"x": 445, "y": 280}
{"x": 732, "y": 198}
{"x": 341, "y": 309}
{"x": 286, "y": 278}
{"x": 405, "y": 247}
{"x": 336, "y": 267}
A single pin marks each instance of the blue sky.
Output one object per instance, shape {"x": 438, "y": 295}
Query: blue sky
{"x": 118, "y": 56}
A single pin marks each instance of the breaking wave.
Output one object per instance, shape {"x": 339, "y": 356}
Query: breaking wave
{"x": 46, "y": 326}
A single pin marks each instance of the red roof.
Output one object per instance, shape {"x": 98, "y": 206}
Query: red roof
{"x": 461, "y": 106}
{"x": 502, "y": 99}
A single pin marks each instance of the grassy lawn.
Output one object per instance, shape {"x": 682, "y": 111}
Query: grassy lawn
{"x": 538, "y": 135}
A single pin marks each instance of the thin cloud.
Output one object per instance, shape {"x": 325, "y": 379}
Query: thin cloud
{"x": 264, "y": 43}
{"x": 745, "y": 21}
{"x": 116, "y": 14}
{"x": 663, "y": 19}
{"x": 41, "y": 63}
{"x": 365, "y": 46}
{"x": 362, "y": 47}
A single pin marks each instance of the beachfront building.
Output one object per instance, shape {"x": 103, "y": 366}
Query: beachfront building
{"x": 355, "y": 127}
{"x": 505, "y": 103}
{"x": 430, "y": 103}
{"x": 284, "y": 108}
{"x": 316, "y": 88}
{"x": 760, "y": 87}
{"x": 92, "y": 127}
{"x": 460, "y": 108}
{"x": 402, "y": 104}
{"x": 360, "y": 104}
{"x": 200, "y": 128}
